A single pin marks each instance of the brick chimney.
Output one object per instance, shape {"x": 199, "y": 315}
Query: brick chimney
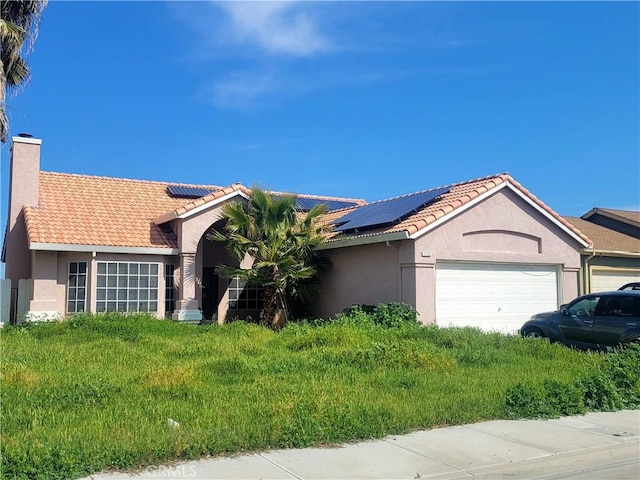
{"x": 23, "y": 190}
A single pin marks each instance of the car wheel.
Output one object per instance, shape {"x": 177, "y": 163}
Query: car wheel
{"x": 533, "y": 332}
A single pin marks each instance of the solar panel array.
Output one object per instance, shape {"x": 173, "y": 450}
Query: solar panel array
{"x": 302, "y": 203}
{"x": 180, "y": 191}
{"x": 387, "y": 212}
{"x": 306, "y": 204}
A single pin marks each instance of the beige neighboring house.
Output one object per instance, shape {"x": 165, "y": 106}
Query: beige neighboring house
{"x": 614, "y": 258}
{"x": 484, "y": 252}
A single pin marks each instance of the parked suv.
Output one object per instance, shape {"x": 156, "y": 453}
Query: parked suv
{"x": 630, "y": 286}
{"x": 595, "y": 321}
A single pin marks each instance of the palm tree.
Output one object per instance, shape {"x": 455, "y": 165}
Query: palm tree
{"x": 282, "y": 243}
{"x": 18, "y": 30}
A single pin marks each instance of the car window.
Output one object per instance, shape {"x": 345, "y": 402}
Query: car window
{"x": 586, "y": 306}
{"x": 617, "y": 306}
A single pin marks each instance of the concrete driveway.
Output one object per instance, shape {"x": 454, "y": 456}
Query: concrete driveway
{"x": 594, "y": 446}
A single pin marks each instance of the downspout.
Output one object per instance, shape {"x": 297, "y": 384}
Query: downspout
{"x": 586, "y": 280}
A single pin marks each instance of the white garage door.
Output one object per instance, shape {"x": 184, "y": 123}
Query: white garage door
{"x": 494, "y": 297}
{"x": 605, "y": 280}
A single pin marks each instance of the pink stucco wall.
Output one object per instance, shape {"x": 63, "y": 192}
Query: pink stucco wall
{"x": 23, "y": 190}
{"x": 503, "y": 228}
{"x": 367, "y": 274}
{"x": 190, "y": 232}
{"x": 45, "y": 284}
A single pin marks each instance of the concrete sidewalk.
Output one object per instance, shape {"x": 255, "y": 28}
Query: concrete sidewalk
{"x": 593, "y": 446}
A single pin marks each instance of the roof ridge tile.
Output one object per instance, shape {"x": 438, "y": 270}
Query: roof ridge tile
{"x": 123, "y": 179}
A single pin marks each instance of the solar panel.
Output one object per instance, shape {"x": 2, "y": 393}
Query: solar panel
{"x": 305, "y": 204}
{"x": 387, "y": 212}
{"x": 180, "y": 191}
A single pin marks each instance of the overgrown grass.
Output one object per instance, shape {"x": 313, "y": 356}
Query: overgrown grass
{"x": 92, "y": 393}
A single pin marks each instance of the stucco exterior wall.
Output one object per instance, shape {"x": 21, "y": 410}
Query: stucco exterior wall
{"x": 190, "y": 232}
{"x": 503, "y": 228}
{"x": 44, "y": 303}
{"x": 367, "y": 274}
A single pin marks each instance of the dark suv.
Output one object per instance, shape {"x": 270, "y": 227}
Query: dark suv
{"x": 596, "y": 321}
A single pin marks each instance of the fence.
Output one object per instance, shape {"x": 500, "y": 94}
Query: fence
{"x": 5, "y": 301}
{"x": 14, "y": 302}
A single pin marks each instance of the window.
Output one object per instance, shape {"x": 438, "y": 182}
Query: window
{"x": 618, "y": 306}
{"x": 586, "y": 306}
{"x": 243, "y": 296}
{"x": 127, "y": 287}
{"x": 77, "y": 287}
{"x": 169, "y": 290}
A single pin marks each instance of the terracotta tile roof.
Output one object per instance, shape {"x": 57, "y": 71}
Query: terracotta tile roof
{"x": 103, "y": 211}
{"x": 604, "y": 238}
{"x": 89, "y": 210}
{"x": 239, "y": 187}
{"x": 212, "y": 197}
{"x": 459, "y": 195}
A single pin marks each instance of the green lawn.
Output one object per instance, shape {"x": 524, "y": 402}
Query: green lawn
{"x": 92, "y": 393}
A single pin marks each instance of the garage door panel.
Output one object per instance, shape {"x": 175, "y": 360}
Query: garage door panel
{"x": 493, "y": 297}
{"x": 607, "y": 280}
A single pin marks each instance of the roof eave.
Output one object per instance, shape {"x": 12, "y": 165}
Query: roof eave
{"x": 65, "y": 247}
{"x": 606, "y": 213}
{"x": 364, "y": 240}
{"x": 611, "y": 253}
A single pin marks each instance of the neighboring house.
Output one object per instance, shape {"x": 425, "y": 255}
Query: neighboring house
{"x": 614, "y": 257}
{"x": 485, "y": 252}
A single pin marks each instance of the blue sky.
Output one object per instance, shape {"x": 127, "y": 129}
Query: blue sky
{"x": 356, "y": 99}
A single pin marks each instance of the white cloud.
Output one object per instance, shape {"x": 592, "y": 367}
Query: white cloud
{"x": 276, "y": 27}
{"x": 249, "y": 51}
{"x": 239, "y": 90}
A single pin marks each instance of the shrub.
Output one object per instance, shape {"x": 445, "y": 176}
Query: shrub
{"x": 551, "y": 399}
{"x": 395, "y": 314}
{"x": 563, "y": 398}
{"x": 599, "y": 392}
{"x": 623, "y": 367}
{"x": 390, "y": 315}
{"x": 525, "y": 401}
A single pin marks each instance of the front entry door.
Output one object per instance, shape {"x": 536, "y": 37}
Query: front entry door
{"x": 209, "y": 292}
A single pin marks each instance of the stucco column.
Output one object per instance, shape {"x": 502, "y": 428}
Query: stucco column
{"x": 187, "y": 307}
{"x": 417, "y": 287}
{"x": 569, "y": 284}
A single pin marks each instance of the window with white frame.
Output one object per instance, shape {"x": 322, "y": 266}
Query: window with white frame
{"x": 77, "y": 287}
{"x": 169, "y": 289}
{"x": 243, "y": 296}
{"x": 127, "y": 287}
